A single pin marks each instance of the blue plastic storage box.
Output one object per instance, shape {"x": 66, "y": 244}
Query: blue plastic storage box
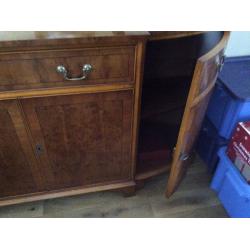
{"x": 233, "y": 190}
{"x": 208, "y": 145}
{"x": 230, "y": 102}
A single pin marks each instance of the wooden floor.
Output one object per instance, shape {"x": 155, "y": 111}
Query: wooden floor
{"x": 193, "y": 199}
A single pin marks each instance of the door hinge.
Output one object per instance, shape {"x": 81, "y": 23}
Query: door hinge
{"x": 184, "y": 157}
{"x": 220, "y": 63}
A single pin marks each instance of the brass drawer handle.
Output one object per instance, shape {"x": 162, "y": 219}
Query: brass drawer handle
{"x": 86, "y": 69}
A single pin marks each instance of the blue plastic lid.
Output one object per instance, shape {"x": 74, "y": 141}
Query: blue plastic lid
{"x": 235, "y": 76}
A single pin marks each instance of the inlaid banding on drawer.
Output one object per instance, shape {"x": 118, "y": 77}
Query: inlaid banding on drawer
{"x": 32, "y": 70}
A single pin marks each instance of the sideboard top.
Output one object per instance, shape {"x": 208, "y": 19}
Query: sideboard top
{"x": 26, "y": 40}
{"x": 39, "y": 35}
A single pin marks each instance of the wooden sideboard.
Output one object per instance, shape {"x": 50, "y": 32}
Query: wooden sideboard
{"x": 80, "y": 114}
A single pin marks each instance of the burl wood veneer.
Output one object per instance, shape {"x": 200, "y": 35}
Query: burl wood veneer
{"x": 61, "y": 137}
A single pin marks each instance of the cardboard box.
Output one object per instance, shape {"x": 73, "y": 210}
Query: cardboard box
{"x": 239, "y": 149}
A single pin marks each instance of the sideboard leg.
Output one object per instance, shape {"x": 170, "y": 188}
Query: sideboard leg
{"x": 139, "y": 184}
{"x": 129, "y": 191}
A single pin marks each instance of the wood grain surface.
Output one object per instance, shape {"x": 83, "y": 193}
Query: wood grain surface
{"x": 82, "y": 139}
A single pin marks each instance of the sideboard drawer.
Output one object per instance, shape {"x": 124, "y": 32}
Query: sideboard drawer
{"x": 34, "y": 70}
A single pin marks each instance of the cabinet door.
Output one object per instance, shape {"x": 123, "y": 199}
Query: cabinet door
{"x": 18, "y": 168}
{"x": 82, "y": 139}
{"x": 205, "y": 75}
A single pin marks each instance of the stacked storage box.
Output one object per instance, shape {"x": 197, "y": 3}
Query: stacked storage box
{"x": 208, "y": 144}
{"x": 229, "y": 104}
{"x": 231, "y": 187}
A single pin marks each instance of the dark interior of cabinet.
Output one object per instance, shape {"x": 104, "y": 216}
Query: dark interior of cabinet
{"x": 168, "y": 72}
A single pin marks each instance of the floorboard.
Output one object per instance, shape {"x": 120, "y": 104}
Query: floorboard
{"x": 194, "y": 199}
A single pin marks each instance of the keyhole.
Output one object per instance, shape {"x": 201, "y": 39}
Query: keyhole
{"x": 39, "y": 149}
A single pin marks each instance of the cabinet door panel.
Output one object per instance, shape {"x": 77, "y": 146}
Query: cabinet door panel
{"x": 82, "y": 139}
{"x": 18, "y": 168}
{"x": 205, "y": 75}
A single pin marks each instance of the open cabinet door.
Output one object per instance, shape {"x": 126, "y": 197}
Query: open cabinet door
{"x": 203, "y": 82}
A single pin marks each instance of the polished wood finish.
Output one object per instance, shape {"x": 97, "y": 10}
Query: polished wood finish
{"x": 17, "y": 36}
{"x": 64, "y": 91}
{"x": 30, "y": 40}
{"x": 124, "y": 185}
{"x": 169, "y": 67}
{"x": 74, "y": 137}
{"x": 33, "y": 70}
{"x": 80, "y": 136}
{"x": 137, "y": 105}
{"x": 18, "y": 171}
{"x": 42, "y": 40}
{"x": 164, "y": 35}
{"x": 82, "y": 139}
{"x": 205, "y": 75}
